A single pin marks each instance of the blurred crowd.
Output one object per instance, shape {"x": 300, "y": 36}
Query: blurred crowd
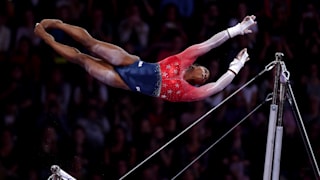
{"x": 53, "y": 112}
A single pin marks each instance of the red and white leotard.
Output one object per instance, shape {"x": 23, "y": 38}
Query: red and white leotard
{"x": 174, "y": 88}
{"x": 165, "y": 79}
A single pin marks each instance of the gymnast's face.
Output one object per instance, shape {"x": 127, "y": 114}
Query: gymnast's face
{"x": 199, "y": 75}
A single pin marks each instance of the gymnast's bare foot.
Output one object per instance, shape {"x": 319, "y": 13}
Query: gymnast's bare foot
{"x": 50, "y": 23}
{"x": 40, "y": 31}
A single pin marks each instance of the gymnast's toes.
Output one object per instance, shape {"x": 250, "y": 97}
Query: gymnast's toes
{"x": 50, "y": 23}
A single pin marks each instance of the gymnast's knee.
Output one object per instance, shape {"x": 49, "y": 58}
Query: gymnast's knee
{"x": 76, "y": 56}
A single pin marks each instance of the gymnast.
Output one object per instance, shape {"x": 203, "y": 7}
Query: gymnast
{"x": 175, "y": 78}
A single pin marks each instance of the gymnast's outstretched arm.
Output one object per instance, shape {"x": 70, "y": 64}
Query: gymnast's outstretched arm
{"x": 199, "y": 93}
{"x": 189, "y": 55}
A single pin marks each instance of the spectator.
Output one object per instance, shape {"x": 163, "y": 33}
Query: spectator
{"x": 309, "y": 31}
{"x": 240, "y": 12}
{"x": 171, "y": 23}
{"x": 214, "y": 67}
{"x": 78, "y": 169}
{"x": 185, "y": 7}
{"x": 5, "y": 34}
{"x": 57, "y": 84}
{"x": 78, "y": 145}
{"x": 189, "y": 150}
{"x": 250, "y": 92}
{"x": 8, "y": 155}
{"x": 25, "y": 29}
{"x": 99, "y": 27}
{"x": 96, "y": 125}
{"x": 211, "y": 21}
{"x": 25, "y": 55}
{"x": 311, "y": 81}
{"x": 133, "y": 29}
{"x": 312, "y": 113}
{"x": 47, "y": 150}
{"x": 176, "y": 45}
{"x": 121, "y": 152}
{"x": 88, "y": 90}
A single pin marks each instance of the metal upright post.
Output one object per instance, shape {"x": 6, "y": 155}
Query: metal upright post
{"x": 269, "y": 156}
{"x": 275, "y": 131}
{"x": 284, "y": 76}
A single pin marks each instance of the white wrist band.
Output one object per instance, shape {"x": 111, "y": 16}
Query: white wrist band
{"x": 236, "y": 65}
{"x": 234, "y": 31}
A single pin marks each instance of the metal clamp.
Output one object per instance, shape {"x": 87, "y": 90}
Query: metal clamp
{"x": 285, "y": 74}
{"x": 59, "y": 174}
{"x": 270, "y": 65}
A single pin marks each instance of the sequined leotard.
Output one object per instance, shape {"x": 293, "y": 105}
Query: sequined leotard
{"x": 173, "y": 86}
{"x": 165, "y": 80}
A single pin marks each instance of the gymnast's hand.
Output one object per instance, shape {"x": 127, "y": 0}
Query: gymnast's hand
{"x": 246, "y": 23}
{"x": 239, "y": 61}
{"x": 243, "y": 27}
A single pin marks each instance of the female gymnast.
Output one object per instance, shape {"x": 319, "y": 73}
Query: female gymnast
{"x": 175, "y": 78}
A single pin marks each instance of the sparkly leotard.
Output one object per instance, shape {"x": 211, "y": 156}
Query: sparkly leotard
{"x": 173, "y": 86}
{"x": 163, "y": 79}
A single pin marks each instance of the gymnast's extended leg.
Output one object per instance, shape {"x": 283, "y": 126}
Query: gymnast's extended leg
{"x": 97, "y": 68}
{"x": 113, "y": 54}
